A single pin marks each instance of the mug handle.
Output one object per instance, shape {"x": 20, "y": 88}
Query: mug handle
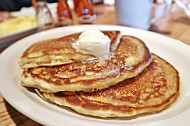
{"x": 167, "y": 7}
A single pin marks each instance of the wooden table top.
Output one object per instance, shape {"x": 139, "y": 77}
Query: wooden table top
{"x": 174, "y": 25}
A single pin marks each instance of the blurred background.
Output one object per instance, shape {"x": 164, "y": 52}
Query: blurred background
{"x": 161, "y": 16}
{"x": 16, "y": 5}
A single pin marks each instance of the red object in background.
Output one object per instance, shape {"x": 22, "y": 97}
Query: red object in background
{"x": 85, "y": 7}
{"x": 63, "y": 9}
{"x": 76, "y": 3}
{"x": 85, "y": 11}
{"x": 34, "y": 4}
{"x": 64, "y": 16}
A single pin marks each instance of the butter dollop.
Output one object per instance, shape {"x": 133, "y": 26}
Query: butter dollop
{"x": 93, "y": 42}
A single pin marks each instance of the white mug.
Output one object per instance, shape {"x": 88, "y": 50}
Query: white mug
{"x": 137, "y": 13}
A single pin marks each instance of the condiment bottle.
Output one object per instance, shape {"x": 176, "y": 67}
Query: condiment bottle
{"x": 34, "y": 4}
{"x": 85, "y": 11}
{"x": 64, "y": 16}
{"x": 43, "y": 15}
{"x": 76, "y": 3}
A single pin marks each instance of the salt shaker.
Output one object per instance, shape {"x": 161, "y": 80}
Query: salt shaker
{"x": 43, "y": 15}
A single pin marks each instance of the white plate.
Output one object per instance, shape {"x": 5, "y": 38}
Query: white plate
{"x": 174, "y": 51}
{"x": 14, "y": 36}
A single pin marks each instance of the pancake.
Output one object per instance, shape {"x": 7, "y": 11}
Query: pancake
{"x": 128, "y": 60}
{"x": 151, "y": 91}
{"x": 59, "y": 51}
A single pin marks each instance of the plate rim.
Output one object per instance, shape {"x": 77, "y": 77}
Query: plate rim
{"x": 16, "y": 43}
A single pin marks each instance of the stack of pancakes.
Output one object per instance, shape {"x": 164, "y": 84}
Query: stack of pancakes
{"x": 129, "y": 81}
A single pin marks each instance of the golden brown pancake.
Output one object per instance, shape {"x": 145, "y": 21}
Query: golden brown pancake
{"x": 128, "y": 60}
{"x": 59, "y": 51}
{"x": 151, "y": 91}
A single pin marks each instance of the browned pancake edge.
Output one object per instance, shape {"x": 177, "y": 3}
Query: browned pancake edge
{"x": 151, "y": 91}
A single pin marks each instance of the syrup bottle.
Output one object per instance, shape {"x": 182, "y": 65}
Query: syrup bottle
{"x": 34, "y": 4}
{"x": 43, "y": 15}
{"x": 85, "y": 11}
{"x": 76, "y": 3}
{"x": 64, "y": 16}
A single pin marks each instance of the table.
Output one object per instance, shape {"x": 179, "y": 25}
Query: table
{"x": 174, "y": 25}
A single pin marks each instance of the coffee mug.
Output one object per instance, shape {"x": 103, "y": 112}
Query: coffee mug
{"x": 137, "y": 13}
